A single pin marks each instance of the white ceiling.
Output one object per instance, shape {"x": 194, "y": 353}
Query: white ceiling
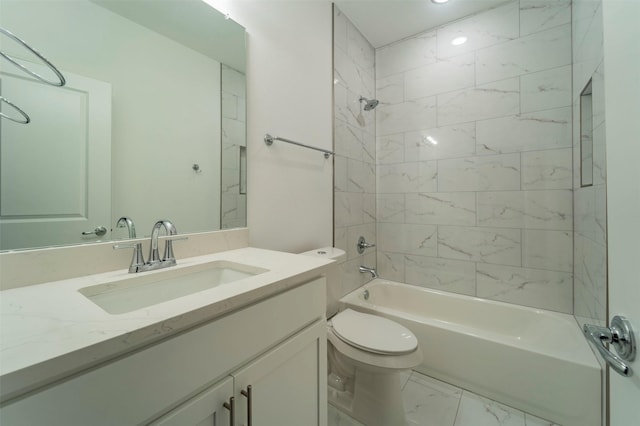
{"x": 385, "y": 21}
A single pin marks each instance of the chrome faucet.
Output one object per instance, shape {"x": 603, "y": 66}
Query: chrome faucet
{"x": 137, "y": 261}
{"x": 372, "y": 271}
{"x": 155, "y": 261}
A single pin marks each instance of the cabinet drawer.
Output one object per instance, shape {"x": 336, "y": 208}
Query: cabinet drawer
{"x": 138, "y": 387}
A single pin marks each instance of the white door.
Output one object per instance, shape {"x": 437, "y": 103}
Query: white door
{"x": 622, "y": 97}
{"x": 55, "y": 172}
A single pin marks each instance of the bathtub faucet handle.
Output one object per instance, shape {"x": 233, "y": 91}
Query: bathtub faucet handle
{"x": 363, "y": 244}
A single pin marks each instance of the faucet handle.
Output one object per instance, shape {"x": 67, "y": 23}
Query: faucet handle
{"x": 137, "y": 261}
{"x": 168, "y": 248}
{"x": 363, "y": 244}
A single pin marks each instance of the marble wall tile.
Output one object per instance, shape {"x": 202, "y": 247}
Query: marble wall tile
{"x": 549, "y": 209}
{"x": 587, "y": 42}
{"x": 549, "y": 169}
{"x": 525, "y": 55}
{"x": 348, "y": 140}
{"x": 539, "y": 15}
{"x": 590, "y": 213}
{"x": 369, "y": 208}
{"x": 542, "y": 249}
{"x": 340, "y": 23}
{"x": 368, "y": 231}
{"x": 491, "y": 100}
{"x": 441, "y": 208}
{"x": 599, "y": 155}
{"x": 340, "y": 173}
{"x": 390, "y": 149}
{"x": 524, "y": 286}
{"x": 348, "y": 208}
{"x": 391, "y": 208}
{"x": 340, "y": 239}
{"x": 361, "y": 176}
{"x": 525, "y": 132}
{"x": 350, "y": 75}
{"x": 497, "y": 172}
{"x": 390, "y": 90}
{"x": 445, "y": 75}
{"x": 590, "y": 279}
{"x": 407, "y": 116}
{"x": 456, "y": 276}
{"x": 408, "y": 238}
{"x": 360, "y": 50}
{"x": 545, "y": 89}
{"x": 352, "y": 278}
{"x": 407, "y": 177}
{"x": 458, "y": 140}
{"x": 484, "y": 29}
{"x": 490, "y": 245}
{"x": 407, "y": 54}
{"x": 391, "y": 266}
{"x": 369, "y": 145}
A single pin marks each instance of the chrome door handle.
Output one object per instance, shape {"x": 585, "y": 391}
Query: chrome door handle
{"x": 621, "y": 336}
{"x": 231, "y": 406}
{"x": 247, "y": 394}
{"x": 99, "y": 231}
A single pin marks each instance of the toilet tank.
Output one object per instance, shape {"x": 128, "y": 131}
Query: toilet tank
{"x": 334, "y": 275}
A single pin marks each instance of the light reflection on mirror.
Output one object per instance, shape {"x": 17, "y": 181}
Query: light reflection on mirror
{"x": 167, "y": 79}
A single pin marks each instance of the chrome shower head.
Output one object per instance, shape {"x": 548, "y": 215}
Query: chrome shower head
{"x": 369, "y": 103}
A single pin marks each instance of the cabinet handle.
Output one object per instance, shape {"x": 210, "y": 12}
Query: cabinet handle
{"x": 247, "y": 394}
{"x": 231, "y": 406}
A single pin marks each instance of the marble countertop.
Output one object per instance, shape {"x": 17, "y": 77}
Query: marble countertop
{"x": 49, "y": 331}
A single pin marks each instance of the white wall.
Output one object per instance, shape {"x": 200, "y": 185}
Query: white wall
{"x": 289, "y": 80}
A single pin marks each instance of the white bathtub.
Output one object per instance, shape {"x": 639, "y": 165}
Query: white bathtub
{"x": 530, "y": 359}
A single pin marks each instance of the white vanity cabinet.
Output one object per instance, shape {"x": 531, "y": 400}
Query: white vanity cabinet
{"x": 277, "y": 345}
{"x": 282, "y": 387}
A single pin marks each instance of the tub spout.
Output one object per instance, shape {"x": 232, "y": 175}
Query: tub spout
{"x": 372, "y": 271}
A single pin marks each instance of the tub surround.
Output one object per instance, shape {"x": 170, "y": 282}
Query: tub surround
{"x": 49, "y": 331}
{"x": 489, "y": 204}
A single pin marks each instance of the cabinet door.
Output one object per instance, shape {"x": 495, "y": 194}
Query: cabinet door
{"x": 205, "y": 409}
{"x": 288, "y": 384}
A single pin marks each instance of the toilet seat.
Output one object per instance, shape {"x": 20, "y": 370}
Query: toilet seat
{"x": 373, "y": 333}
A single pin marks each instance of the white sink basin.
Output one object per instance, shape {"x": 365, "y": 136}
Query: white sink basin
{"x": 147, "y": 289}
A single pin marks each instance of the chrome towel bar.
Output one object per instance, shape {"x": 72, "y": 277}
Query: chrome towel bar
{"x": 61, "y": 81}
{"x": 268, "y": 139}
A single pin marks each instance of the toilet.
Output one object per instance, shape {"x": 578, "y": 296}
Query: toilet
{"x": 366, "y": 354}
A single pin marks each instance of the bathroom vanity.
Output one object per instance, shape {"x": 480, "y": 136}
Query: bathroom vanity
{"x": 242, "y": 352}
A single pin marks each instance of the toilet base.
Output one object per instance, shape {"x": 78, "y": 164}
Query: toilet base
{"x": 376, "y": 399}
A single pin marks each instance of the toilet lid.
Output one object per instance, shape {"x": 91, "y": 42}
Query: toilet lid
{"x": 372, "y": 333}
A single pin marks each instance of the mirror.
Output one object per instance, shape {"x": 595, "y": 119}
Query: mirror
{"x": 150, "y": 123}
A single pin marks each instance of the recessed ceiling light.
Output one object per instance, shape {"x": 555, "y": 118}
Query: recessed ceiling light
{"x": 439, "y": 1}
{"x": 459, "y": 40}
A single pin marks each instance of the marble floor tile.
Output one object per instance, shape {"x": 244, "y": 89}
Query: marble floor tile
{"x": 478, "y": 411}
{"x": 429, "y": 402}
{"x": 338, "y": 418}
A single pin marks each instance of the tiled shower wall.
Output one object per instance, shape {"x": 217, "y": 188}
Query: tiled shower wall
{"x": 233, "y": 201}
{"x": 590, "y": 203}
{"x": 354, "y": 144}
{"x": 487, "y": 211}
